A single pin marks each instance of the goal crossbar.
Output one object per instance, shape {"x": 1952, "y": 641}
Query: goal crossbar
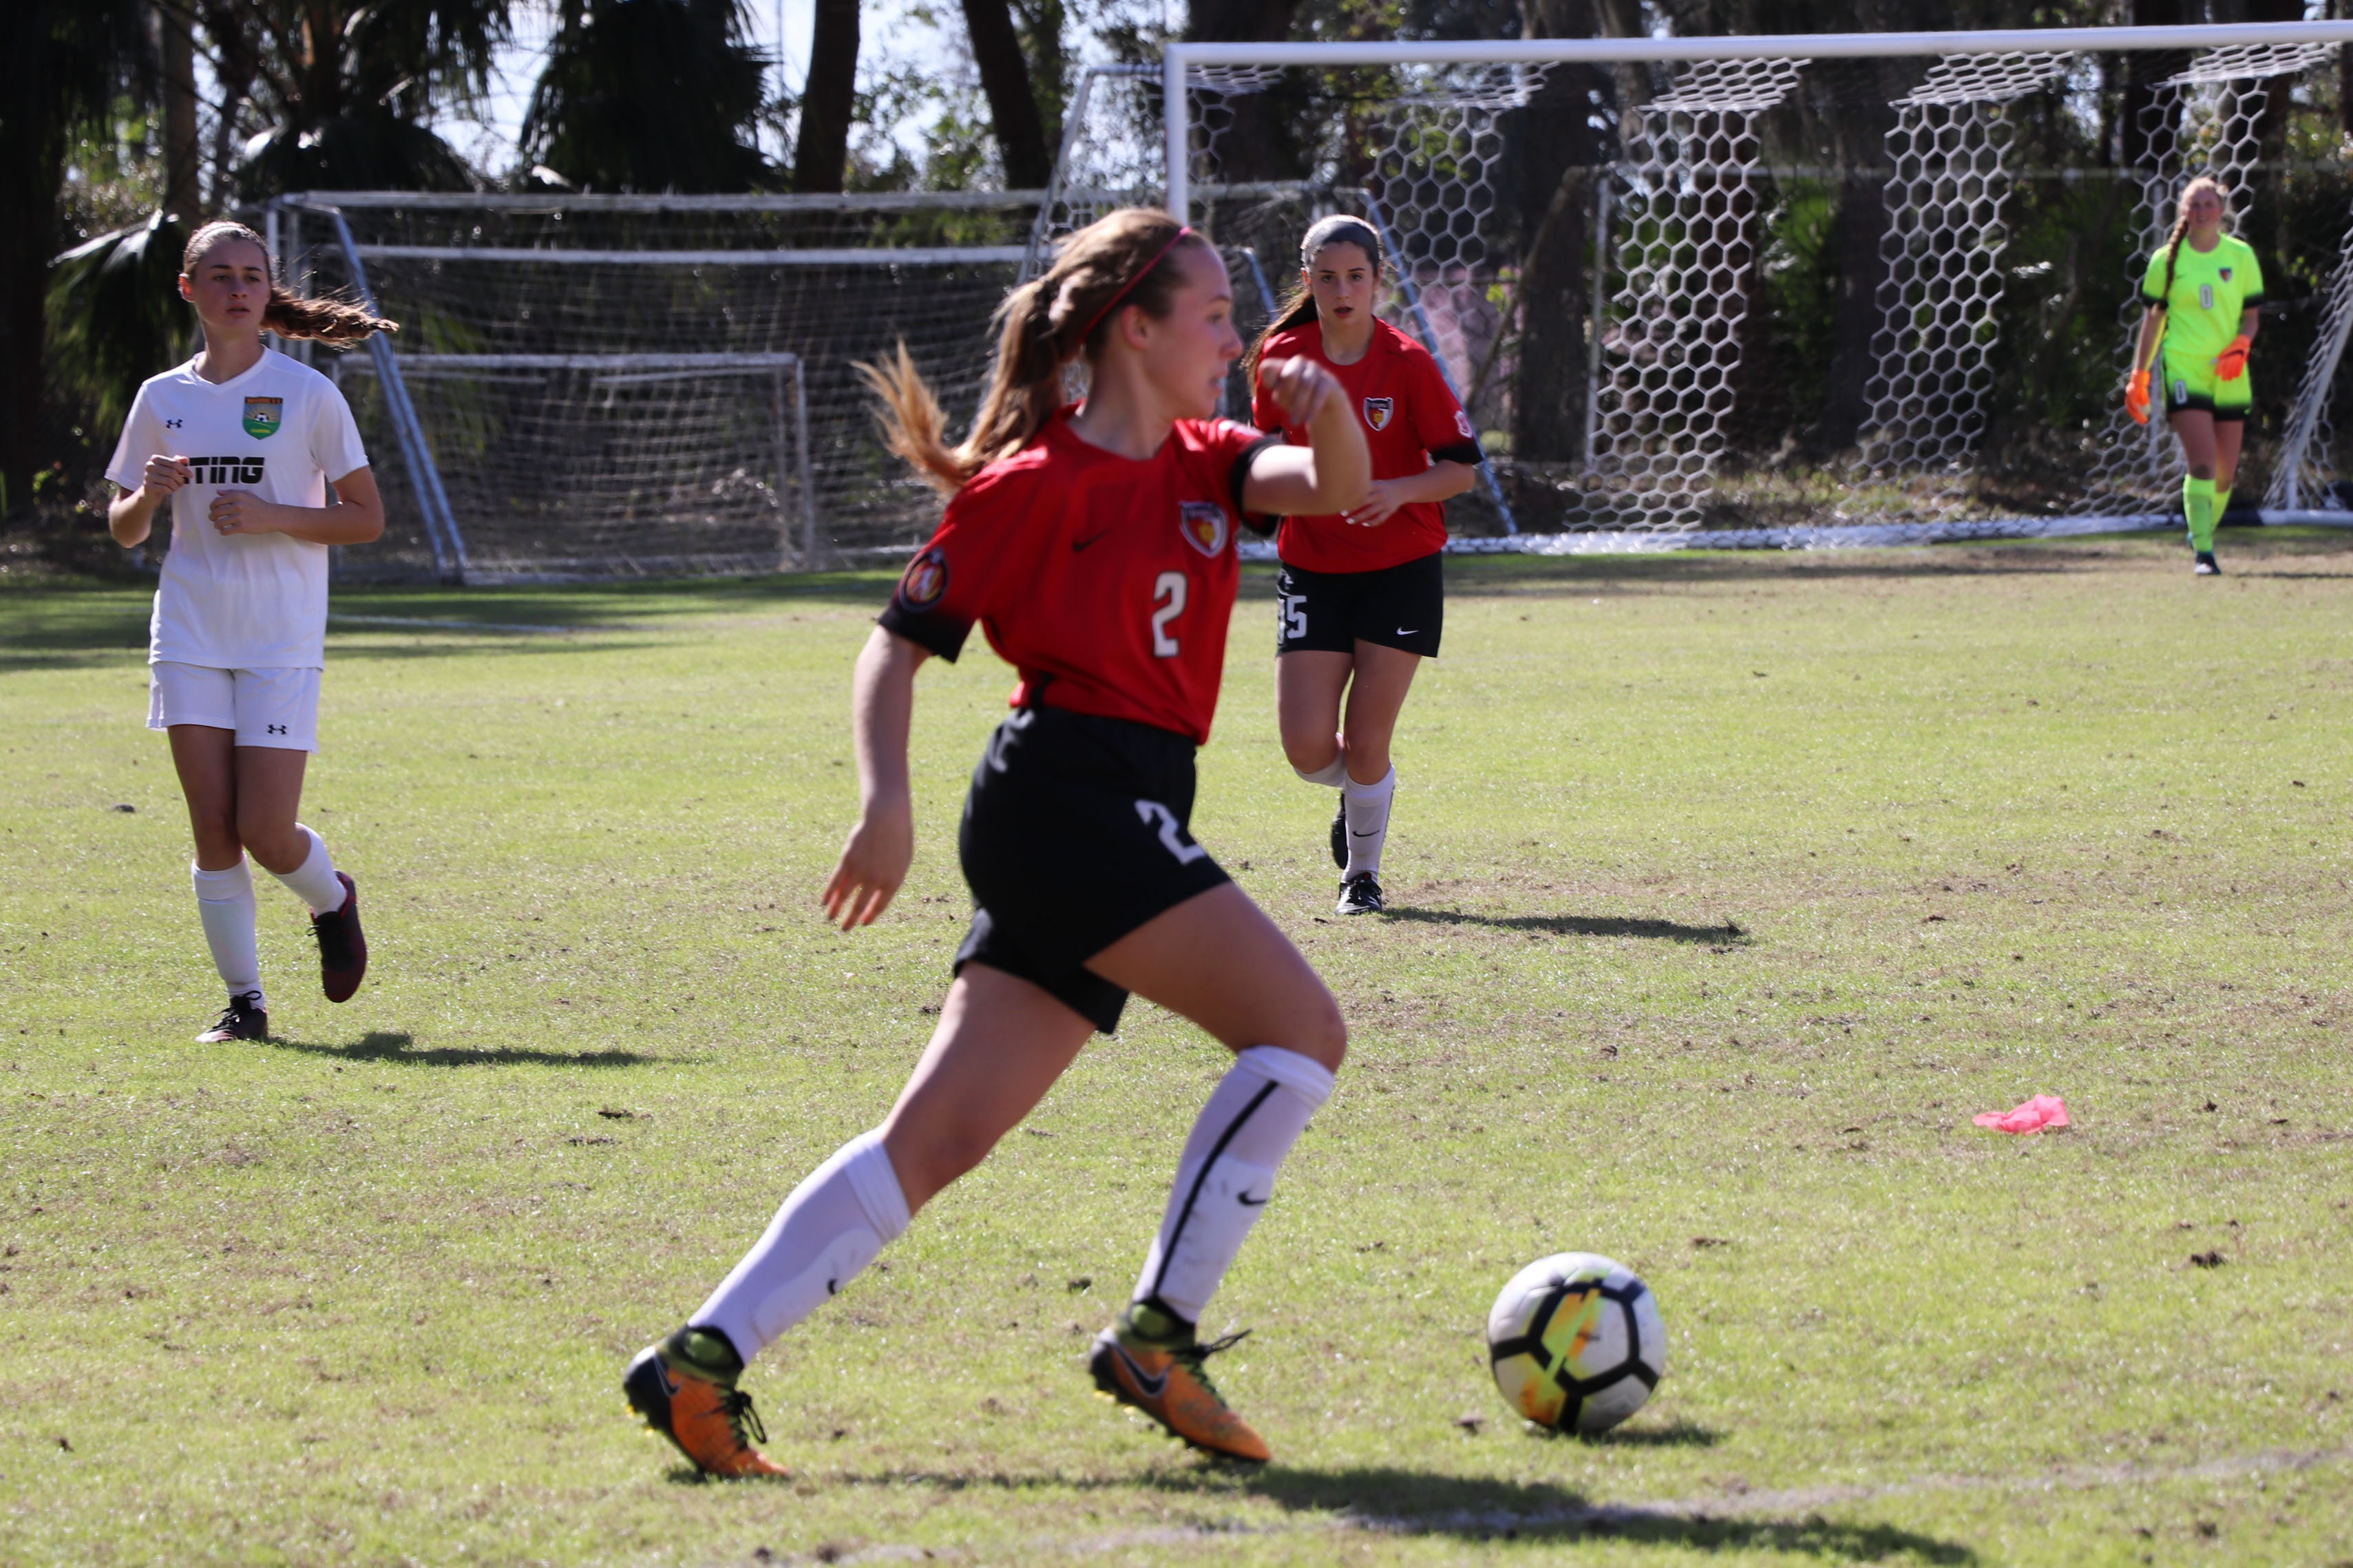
{"x": 1178, "y": 61}
{"x": 908, "y": 256}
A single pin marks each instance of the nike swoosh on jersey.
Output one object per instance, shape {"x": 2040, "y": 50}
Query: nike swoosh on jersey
{"x": 1153, "y": 1386}
{"x": 1078, "y": 544}
{"x": 1249, "y": 1201}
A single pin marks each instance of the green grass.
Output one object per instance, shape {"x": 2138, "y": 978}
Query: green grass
{"x": 1724, "y": 891}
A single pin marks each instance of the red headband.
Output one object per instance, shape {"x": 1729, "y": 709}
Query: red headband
{"x": 1183, "y": 233}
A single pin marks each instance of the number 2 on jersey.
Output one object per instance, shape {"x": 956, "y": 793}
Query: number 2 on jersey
{"x": 1168, "y": 592}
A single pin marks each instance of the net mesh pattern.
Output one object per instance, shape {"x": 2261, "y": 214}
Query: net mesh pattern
{"x": 621, "y": 466}
{"x": 2204, "y": 120}
{"x": 1673, "y": 338}
{"x": 1942, "y": 250}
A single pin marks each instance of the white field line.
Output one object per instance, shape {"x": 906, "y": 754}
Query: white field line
{"x": 460, "y": 626}
{"x": 1607, "y": 1516}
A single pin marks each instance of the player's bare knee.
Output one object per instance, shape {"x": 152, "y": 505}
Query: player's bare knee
{"x": 1323, "y": 1034}
{"x": 1311, "y": 754}
{"x": 280, "y": 847}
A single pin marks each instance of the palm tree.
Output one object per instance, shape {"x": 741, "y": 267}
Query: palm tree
{"x": 67, "y": 65}
{"x": 650, "y": 95}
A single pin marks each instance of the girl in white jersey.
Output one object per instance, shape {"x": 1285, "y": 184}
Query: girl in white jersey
{"x": 244, "y": 445}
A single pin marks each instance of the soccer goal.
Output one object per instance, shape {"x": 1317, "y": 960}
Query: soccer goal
{"x": 1778, "y": 291}
{"x": 587, "y": 386}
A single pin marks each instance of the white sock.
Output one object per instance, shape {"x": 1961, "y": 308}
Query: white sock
{"x": 1254, "y": 1115}
{"x": 1368, "y": 821}
{"x": 225, "y": 904}
{"x": 314, "y": 881}
{"x": 832, "y": 1228}
{"x": 1331, "y": 775}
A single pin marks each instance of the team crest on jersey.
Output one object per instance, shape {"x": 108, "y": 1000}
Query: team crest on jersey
{"x": 2226, "y": 275}
{"x": 926, "y": 582}
{"x": 263, "y": 415}
{"x": 1462, "y": 426}
{"x": 1203, "y": 524}
{"x": 1378, "y": 411}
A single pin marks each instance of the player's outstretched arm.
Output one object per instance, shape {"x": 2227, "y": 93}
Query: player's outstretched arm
{"x": 1329, "y": 475}
{"x": 874, "y": 861}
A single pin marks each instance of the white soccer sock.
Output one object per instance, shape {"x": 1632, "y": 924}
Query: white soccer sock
{"x": 225, "y": 904}
{"x": 314, "y": 881}
{"x": 832, "y": 1228}
{"x": 1367, "y": 807}
{"x": 1254, "y": 1115}
{"x": 1331, "y": 775}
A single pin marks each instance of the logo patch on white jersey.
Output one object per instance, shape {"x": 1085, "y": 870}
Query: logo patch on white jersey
{"x": 1203, "y": 523}
{"x": 263, "y": 415}
{"x": 1378, "y": 412}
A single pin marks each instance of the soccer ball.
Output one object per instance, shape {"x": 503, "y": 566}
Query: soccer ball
{"x": 1577, "y": 1342}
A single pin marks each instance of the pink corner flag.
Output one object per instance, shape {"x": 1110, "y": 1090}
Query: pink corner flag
{"x": 2043, "y": 1110}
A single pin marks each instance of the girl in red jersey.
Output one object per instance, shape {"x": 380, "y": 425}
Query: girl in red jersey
{"x": 1094, "y": 547}
{"x": 1360, "y": 599}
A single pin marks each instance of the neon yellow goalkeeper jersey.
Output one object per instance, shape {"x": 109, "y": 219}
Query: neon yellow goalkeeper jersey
{"x": 2210, "y": 289}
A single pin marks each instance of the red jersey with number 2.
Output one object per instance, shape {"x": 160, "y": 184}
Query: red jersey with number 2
{"x": 1409, "y": 416}
{"x": 1107, "y": 582}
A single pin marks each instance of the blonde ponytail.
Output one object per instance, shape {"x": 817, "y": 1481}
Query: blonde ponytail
{"x": 2181, "y": 226}
{"x": 1120, "y": 260}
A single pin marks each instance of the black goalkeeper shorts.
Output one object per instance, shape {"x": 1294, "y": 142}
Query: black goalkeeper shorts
{"x": 1401, "y": 607}
{"x": 1076, "y": 831}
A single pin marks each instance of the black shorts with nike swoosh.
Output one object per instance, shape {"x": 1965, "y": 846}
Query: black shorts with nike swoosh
{"x": 1401, "y": 607}
{"x": 1076, "y": 831}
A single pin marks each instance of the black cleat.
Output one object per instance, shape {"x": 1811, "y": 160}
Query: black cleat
{"x": 2204, "y": 565}
{"x": 1340, "y": 832}
{"x": 342, "y": 946}
{"x": 242, "y": 1019}
{"x": 1359, "y": 895}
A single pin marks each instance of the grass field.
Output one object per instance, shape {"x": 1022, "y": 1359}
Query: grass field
{"x": 1723, "y": 891}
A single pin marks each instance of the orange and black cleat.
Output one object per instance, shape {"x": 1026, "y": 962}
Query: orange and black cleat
{"x": 342, "y": 946}
{"x": 1149, "y": 1359}
{"x": 685, "y": 1388}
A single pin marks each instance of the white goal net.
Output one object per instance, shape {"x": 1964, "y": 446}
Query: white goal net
{"x": 1821, "y": 291}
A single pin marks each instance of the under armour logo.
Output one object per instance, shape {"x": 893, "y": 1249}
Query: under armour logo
{"x": 174, "y": 424}
{"x": 277, "y": 728}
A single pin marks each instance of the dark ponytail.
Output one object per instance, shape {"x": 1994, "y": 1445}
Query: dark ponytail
{"x": 290, "y": 315}
{"x": 1298, "y": 306}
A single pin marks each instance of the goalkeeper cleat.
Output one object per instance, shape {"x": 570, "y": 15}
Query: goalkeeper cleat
{"x": 1340, "y": 832}
{"x": 342, "y": 946}
{"x": 1150, "y": 1360}
{"x": 242, "y": 1019}
{"x": 2204, "y": 565}
{"x": 1360, "y": 895}
{"x": 685, "y": 1389}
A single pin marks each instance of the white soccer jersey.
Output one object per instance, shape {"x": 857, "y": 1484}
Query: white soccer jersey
{"x": 282, "y": 430}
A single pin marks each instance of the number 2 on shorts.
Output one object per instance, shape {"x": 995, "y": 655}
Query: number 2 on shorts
{"x": 1170, "y": 586}
{"x": 1152, "y": 811}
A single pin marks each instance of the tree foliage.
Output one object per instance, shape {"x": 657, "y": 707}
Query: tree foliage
{"x": 650, "y": 95}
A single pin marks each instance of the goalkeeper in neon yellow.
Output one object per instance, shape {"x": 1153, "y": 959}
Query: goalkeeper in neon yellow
{"x": 2202, "y": 289}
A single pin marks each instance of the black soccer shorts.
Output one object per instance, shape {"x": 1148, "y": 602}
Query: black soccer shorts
{"x": 1401, "y": 607}
{"x": 1076, "y": 831}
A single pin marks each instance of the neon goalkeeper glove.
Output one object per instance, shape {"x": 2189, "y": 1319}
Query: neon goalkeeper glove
{"x": 2231, "y": 362}
{"x": 2136, "y": 397}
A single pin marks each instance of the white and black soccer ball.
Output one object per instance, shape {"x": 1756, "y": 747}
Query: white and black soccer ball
{"x": 1577, "y": 1342}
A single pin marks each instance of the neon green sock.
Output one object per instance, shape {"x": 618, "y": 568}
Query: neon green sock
{"x": 2198, "y": 507}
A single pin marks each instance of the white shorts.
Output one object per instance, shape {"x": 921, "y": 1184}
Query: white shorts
{"x": 277, "y": 708}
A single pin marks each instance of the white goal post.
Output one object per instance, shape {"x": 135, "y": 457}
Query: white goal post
{"x": 1676, "y": 231}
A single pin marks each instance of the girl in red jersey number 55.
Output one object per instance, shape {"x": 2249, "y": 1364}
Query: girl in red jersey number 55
{"x": 1094, "y": 548}
{"x": 1360, "y": 599}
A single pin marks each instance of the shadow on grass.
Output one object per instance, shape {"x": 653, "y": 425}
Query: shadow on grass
{"x": 1674, "y": 1434}
{"x": 399, "y": 1049}
{"x": 1388, "y": 1501}
{"x": 1727, "y": 934}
